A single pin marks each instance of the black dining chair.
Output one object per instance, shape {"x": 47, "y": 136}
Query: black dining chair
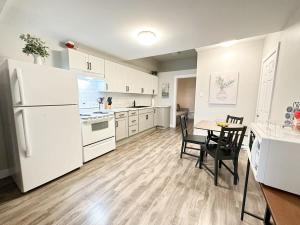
{"x": 189, "y": 138}
{"x": 229, "y": 119}
{"x": 227, "y": 148}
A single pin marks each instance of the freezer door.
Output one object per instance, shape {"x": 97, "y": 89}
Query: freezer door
{"x": 49, "y": 143}
{"x": 35, "y": 85}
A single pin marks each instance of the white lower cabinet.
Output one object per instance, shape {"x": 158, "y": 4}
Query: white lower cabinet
{"x": 146, "y": 121}
{"x": 134, "y": 121}
{"x": 162, "y": 117}
{"x": 133, "y": 130}
{"x": 121, "y": 128}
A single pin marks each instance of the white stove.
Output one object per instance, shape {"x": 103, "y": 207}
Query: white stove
{"x": 98, "y": 133}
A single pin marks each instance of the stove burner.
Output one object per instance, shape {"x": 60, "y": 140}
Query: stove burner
{"x": 100, "y": 112}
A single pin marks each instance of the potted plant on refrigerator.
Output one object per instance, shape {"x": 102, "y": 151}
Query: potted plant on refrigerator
{"x": 36, "y": 47}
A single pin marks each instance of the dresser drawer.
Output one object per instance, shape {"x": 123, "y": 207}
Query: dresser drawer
{"x": 133, "y": 113}
{"x": 121, "y": 115}
{"x": 133, "y": 120}
{"x": 133, "y": 130}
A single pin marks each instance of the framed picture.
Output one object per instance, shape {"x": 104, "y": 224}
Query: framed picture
{"x": 223, "y": 88}
{"x": 165, "y": 90}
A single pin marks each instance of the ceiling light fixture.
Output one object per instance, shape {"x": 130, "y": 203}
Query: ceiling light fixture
{"x": 228, "y": 43}
{"x": 146, "y": 37}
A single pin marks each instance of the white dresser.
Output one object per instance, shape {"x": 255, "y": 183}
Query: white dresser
{"x": 275, "y": 157}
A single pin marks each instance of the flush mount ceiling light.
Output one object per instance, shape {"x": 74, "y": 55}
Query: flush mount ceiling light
{"x": 228, "y": 43}
{"x": 146, "y": 37}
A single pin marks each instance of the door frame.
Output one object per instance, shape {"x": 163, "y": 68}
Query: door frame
{"x": 173, "y": 123}
{"x": 274, "y": 51}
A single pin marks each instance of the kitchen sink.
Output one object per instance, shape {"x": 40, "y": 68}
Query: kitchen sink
{"x": 139, "y": 106}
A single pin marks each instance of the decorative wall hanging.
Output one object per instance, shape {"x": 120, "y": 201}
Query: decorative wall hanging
{"x": 223, "y": 88}
{"x": 165, "y": 89}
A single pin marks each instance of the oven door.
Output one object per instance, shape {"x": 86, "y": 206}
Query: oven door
{"x": 97, "y": 130}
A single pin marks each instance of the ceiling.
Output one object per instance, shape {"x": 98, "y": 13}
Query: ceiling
{"x": 111, "y": 26}
{"x": 191, "y": 53}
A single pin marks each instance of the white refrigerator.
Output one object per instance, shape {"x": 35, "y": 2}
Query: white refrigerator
{"x": 39, "y": 107}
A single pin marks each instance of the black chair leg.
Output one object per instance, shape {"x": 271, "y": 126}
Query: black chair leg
{"x": 216, "y": 172}
{"x": 201, "y": 159}
{"x": 236, "y": 176}
{"x": 182, "y": 146}
{"x": 220, "y": 164}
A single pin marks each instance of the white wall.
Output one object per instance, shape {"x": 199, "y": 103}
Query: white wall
{"x": 169, "y": 77}
{"x": 287, "y": 82}
{"x": 244, "y": 58}
{"x": 11, "y": 47}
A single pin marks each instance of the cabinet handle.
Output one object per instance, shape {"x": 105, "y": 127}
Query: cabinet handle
{"x": 90, "y": 66}
{"x": 146, "y": 117}
{"x": 117, "y": 124}
{"x": 153, "y": 91}
{"x": 142, "y": 90}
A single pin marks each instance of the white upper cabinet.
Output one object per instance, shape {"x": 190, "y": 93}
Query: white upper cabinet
{"x": 133, "y": 81}
{"x": 155, "y": 85}
{"x": 96, "y": 65}
{"x": 115, "y": 76}
{"x": 77, "y": 60}
{"x": 86, "y": 63}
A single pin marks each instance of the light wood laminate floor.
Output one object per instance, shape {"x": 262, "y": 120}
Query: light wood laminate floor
{"x": 142, "y": 182}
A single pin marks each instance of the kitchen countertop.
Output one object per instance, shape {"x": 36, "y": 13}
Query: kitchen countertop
{"x": 130, "y": 109}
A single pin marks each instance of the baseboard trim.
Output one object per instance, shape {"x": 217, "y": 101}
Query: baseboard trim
{"x": 4, "y": 173}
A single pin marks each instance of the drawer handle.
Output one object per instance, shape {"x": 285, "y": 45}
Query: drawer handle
{"x": 133, "y": 121}
{"x": 133, "y": 130}
{"x": 121, "y": 115}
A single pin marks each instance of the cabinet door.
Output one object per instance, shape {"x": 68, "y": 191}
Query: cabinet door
{"x": 115, "y": 75}
{"x": 150, "y": 120}
{"x": 142, "y": 122}
{"x": 146, "y": 121}
{"x": 96, "y": 65}
{"x": 121, "y": 128}
{"x": 132, "y": 81}
{"x": 77, "y": 60}
{"x": 154, "y": 85}
{"x": 148, "y": 84}
{"x": 156, "y": 116}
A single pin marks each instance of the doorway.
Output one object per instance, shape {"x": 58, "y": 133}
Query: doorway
{"x": 185, "y": 98}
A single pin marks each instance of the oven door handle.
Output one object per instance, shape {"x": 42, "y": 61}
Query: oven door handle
{"x": 99, "y": 120}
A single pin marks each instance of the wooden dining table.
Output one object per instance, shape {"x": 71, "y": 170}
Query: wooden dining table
{"x": 210, "y": 125}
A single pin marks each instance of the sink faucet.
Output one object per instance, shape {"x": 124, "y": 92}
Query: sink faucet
{"x": 133, "y": 103}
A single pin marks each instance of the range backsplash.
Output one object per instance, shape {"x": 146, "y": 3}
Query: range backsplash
{"x": 89, "y": 93}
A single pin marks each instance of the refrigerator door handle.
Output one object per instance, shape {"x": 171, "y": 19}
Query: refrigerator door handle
{"x": 20, "y": 84}
{"x": 28, "y": 152}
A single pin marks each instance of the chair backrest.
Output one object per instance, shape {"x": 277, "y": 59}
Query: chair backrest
{"x": 231, "y": 139}
{"x": 234, "y": 119}
{"x": 183, "y": 125}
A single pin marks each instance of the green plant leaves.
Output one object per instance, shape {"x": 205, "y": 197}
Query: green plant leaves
{"x": 34, "y": 46}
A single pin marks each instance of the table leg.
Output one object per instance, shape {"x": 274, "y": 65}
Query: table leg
{"x": 267, "y": 216}
{"x": 245, "y": 189}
